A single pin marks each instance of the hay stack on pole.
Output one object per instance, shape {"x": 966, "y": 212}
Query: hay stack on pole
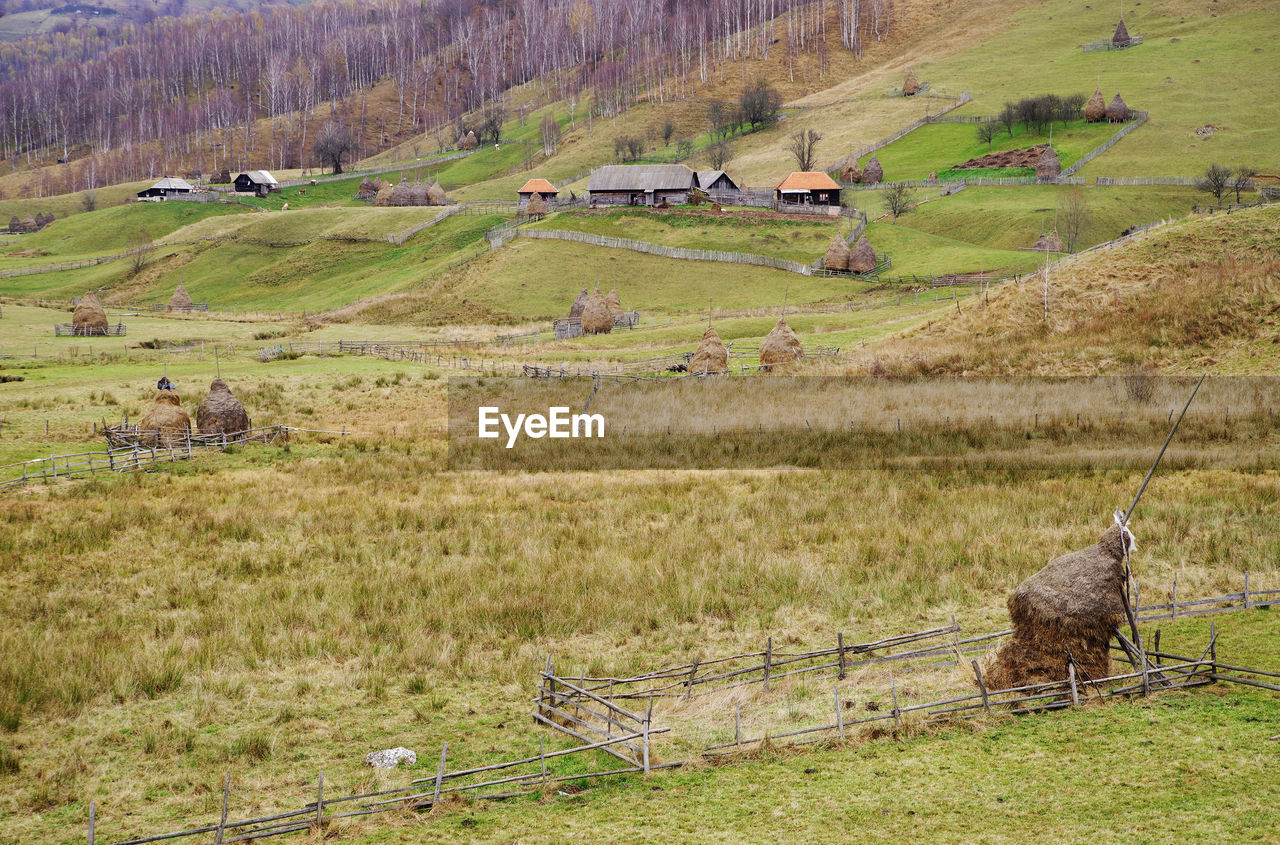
{"x": 1117, "y": 111}
{"x": 850, "y": 171}
{"x": 910, "y": 85}
{"x": 436, "y": 195}
{"x": 1095, "y": 111}
{"x": 469, "y": 142}
{"x": 535, "y": 207}
{"x": 780, "y": 346}
{"x": 1049, "y": 242}
{"x": 221, "y": 412}
{"x": 89, "y": 318}
{"x": 838, "y": 254}
{"x": 1048, "y": 167}
{"x": 613, "y": 303}
{"x": 1075, "y": 603}
{"x": 873, "y": 172}
{"x": 164, "y": 421}
{"x": 575, "y": 310}
{"x": 710, "y": 358}
{"x": 862, "y": 259}
{"x": 596, "y": 318}
{"x": 1121, "y": 38}
{"x": 181, "y": 300}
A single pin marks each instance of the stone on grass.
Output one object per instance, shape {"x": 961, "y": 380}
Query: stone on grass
{"x": 390, "y": 758}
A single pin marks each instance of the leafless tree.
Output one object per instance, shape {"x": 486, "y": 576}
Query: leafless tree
{"x": 803, "y": 146}
{"x": 760, "y": 103}
{"x": 668, "y": 131}
{"x": 719, "y": 154}
{"x": 89, "y": 200}
{"x": 1073, "y": 217}
{"x": 334, "y": 143}
{"x": 1216, "y": 180}
{"x": 140, "y": 250}
{"x": 1240, "y": 180}
{"x": 897, "y": 199}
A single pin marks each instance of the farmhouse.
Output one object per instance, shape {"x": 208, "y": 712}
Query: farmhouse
{"x": 536, "y": 186}
{"x": 808, "y": 187}
{"x": 256, "y": 182}
{"x": 716, "y": 180}
{"x": 642, "y": 184}
{"x": 166, "y": 187}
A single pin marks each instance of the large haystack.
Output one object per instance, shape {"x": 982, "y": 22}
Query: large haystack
{"x": 873, "y": 172}
{"x": 1048, "y": 167}
{"x": 862, "y": 258}
{"x": 181, "y": 300}
{"x": 1095, "y": 111}
{"x": 1074, "y": 603}
{"x": 837, "y": 257}
{"x": 596, "y": 318}
{"x": 89, "y": 318}
{"x": 850, "y": 171}
{"x": 780, "y": 346}
{"x": 711, "y": 358}
{"x": 221, "y": 412}
{"x": 535, "y": 207}
{"x": 1117, "y": 111}
{"x": 468, "y": 142}
{"x": 613, "y": 303}
{"x": 436, "y": 195}
{"x": 580, "y": 303}
{"x": 165, "y": 422}
{"x": 910, "y": 85}
{"x": 1049, "y": 242}
{"x": 1121, "y": 38}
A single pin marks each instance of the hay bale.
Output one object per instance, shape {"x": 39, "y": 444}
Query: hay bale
{"x": 780, "y": 346}
{"x": 180, "y": 300}
{"x": 1095, "y": 111}
{"x": 862, "y": 258}
{"x": 837, "y": 257}
{"x": 221, "y": 412}
{"x": 710, "y": 358}
{"x": 165, "y": 421}
{"x": 368, "y": 189}
{"x": 575, "y": 310}
{"x": 436, "y": 195}
{"x": 1121, "y": 38}
{"x": 873, "y": 172}
{"x": 384, "y": 196}
{"x": 1073, "y": 603}
{"x": 89, "y": 316}
{"x": 535, "y": 207}
{"x": 850, "y": 172}
{"x": 613, "y": 303}
{"x": 596, "y": 318}
{"x": 469, "y": 142}
{"x": 1048, "y": 167}
{"x": 910, "y": 85}
{"x": 1049, "y": 242}
{"x": 1117, "y": 111}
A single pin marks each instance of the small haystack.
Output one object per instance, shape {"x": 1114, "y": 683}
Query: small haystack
{"x": 535, "y": 207}
{"x": 469, "y": 142}
{"x": 1095, "y": 111}
{"x": 164, "y": 420}
{"x": 580, "y": 303}
{"x": 1121, "y": 38}
{"x": 873, "y": 172}
{"x": 711, "y": 358}
{"x": 862, "y": 258}
{"x": 910, "y": 85}
{"x": 1049, "y": 242}
{"x": 1048, "y": 167}
{"x": 436, "y": 195}
{"x": 221, "y": 412}
{"x": 838, "y": 254}
{"x": 1074, "y": 603}
{"x": 181, "y": 300}
{"x": 780, "y": 346}
{"x": 89, "y": 317}
{"x": 1117, "y": 111}
{"x": 613, "y": 303}
{"x": 596, "y": 318}
{"x": 850, "y": 172}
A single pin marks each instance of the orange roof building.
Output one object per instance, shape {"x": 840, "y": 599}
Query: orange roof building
{"x": 808, "y": 187}
{"x": 536, "y": 186}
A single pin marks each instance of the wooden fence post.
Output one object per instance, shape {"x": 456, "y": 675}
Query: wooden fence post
{"x": 835, "y": 690}
{"x": 320, "y": 802}
{"x": 768, "y": 657}
{"x": 542, "y": 759}
{"x": 648, "y": 718}
{"x": 982, "y": 686}
{"x": 840, "y": 647}
{"x": 893, "y": 688}
{"x": 1246, "y": 589}
{"x": 1071, "y": 676}
{"x": 222, "y": 822}
{"x": 688, "y": 689}
{"x": 737, "y": 723}
{"x": 435, "y": 795}
{"x": 92, "y": 813}
{"x": 1173, "y": 605}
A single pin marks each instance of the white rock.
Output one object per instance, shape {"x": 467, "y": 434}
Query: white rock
{"x": 390, "y": 758}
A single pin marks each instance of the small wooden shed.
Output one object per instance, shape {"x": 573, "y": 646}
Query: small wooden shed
{"x": 536, "y": 186}
{"x": 808, "y": 187}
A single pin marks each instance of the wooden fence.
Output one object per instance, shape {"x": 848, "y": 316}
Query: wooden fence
{"x": 667, "y": 251}
{"x": 72, "y": 330}
{"x": 1137, "y": 119}
{"x": 59, "y": 267}
{"x": 181, "y": 309}
{"x": 1108, "y": 44}
{"x": 901, "y": 133}
{"x": 567, "y": 328}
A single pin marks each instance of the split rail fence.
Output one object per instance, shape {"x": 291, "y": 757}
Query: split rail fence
{"x": 72, "y": 330}
{"x": 667, "y": 251}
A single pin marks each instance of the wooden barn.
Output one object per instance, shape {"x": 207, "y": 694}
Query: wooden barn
{"x": 808, "y": 187}
{"x": 716, "y": 180}
{"x": 167, "y": 186}
{"x": 256, "y": 182}
{"x": 642, "y": 184}
{"x": 536, "y": 186}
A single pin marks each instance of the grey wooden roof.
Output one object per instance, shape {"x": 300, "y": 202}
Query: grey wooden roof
{"x": 706, "y": 178}
{"x": 171, "y": 183}
{"x": 643, "y": 177}
{"x": 260, "y": 177}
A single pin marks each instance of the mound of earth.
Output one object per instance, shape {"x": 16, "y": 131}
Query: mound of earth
{"x": 1009, "y": 158}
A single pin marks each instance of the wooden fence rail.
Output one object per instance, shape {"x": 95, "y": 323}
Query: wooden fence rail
{"x": 668, "y": 251}
{"x": 1138, "y": 118}
{"x": 72, "y": 330}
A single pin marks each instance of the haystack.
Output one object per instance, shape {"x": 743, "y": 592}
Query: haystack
{"x": 596, "y": 318}
{"x": 862, "y": 259}
{"x": 436, "y": 195}
{"x": 221, "y": 412}
{"x": 910, "y": 85}
{"x": 710, "y": 358}
{"x": 1117, "y": 111}
{"x": 1048, "y": 167}
{"x": 850, "y": 172}
{"x": 164, "y": 420}
{"x": 580, "y": 303}
{"x": 613, "y": 303}
{"x": 1095, "y": 111}
{"x": 837, "y": 257}
{"x": 535, "y": 207}
{"x": 1049, "y": 242}
{"x": 1074, "y": 603}
{"x": 873, "y": 172}
{"x": 469, "y": 142}
{"x": 181, "y": 300}
{"x": 89, "y": 317}
{"x": 1121, "y": 38}
{"x": 780, "y": 346}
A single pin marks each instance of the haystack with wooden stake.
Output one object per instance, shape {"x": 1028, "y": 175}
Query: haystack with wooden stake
{"x": 613, "y": 303}
{"x": 710, "y": 358}
{"x": 1117, "y": 111}
{"x": 910, "y": 85}
{"x": 837, "y": 257}
{"x": 862, "y": 258}
{"x": 1095, "y": 111}
{"x": 1121, "y": 38}
{"x": 596, "y": 318}
{"x": 873, "y": 172}
{"x": 1049, "y": 242}
{"x": 535, "y": 207}
{"x": 164, "y": 420}
{"x": 1067, "y": 611}
{"x": 89, "y": 318}
{"x": 780, "y": 346}
{"x": 850, "y": 171}
{"x": 575, "y": 310}
{"x": 181, "y": 300}
{"x": 221, "y": 412}
{"x": 436, "y": 195}
{"x": 1048, "y": 167}
{"x": 468, "y": 142}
